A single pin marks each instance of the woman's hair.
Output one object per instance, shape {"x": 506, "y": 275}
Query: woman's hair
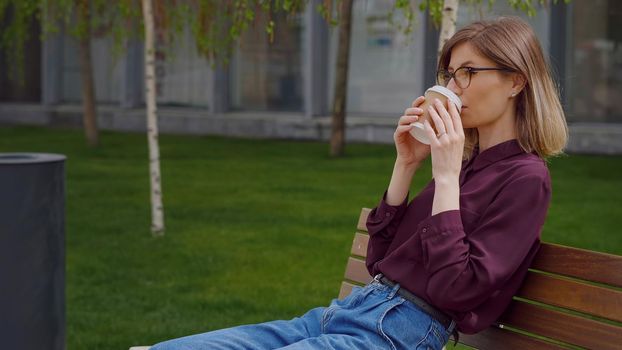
{"x": 512, "y": 44}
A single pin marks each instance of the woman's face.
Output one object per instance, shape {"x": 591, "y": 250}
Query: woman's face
{"x": 488, "y": 99}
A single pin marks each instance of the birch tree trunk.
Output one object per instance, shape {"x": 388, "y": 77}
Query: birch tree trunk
{"x": 157, "y": 210}
{"x": 337, "y": 138}
{"x": 89, "y": 112}
{"x": 448, "y": 26}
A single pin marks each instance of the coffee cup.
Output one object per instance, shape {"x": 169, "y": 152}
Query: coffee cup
{"x": 435, "y": 92}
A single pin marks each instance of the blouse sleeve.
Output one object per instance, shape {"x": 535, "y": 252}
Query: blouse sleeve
{"x": 382, "y": 224}
{"x": 465, "y": 270}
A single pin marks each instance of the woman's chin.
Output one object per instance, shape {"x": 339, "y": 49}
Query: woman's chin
{"x": 466, "y": 123}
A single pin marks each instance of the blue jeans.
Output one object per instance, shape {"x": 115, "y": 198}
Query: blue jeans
{"x": 373, "y": 317}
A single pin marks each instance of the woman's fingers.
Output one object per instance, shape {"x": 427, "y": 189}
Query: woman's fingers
{"x": 418, "y": 101}
{"x": 444, "y": 114}
{"x": 403, "y": 129}
{"x": 407, "y": 119}
{"x": 438, "y": 122}
{"x": 456, "y": 119}
{"x": 431, "y": 134}
{"x": 413, "y": 111}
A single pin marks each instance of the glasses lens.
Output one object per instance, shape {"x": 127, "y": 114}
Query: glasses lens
{"x": 443, "y": 77}
{"x": 463, "y": 76}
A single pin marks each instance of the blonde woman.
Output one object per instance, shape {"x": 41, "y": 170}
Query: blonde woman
{"x": 453, "y": 257}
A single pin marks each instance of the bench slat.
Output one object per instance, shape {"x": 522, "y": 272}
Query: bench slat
{"x": 495, "y": 338}
{"x": 579, "y": 263}
{"x": 363, "y": 220}
{"x": 573, "y": 295}
{"x": 357, "y": 271}
{"x": 346, "y": 289}
{"x": 561, "y": 326}
{"x": 359, "y": 245}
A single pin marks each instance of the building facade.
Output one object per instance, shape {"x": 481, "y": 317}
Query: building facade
{"x": 284, "y": 88}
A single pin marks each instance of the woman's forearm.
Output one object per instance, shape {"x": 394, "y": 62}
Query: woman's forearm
{"x": 400, "y": 183}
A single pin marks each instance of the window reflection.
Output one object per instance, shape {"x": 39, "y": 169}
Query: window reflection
{"x": 268, "y": 76}
{"x": 385, "y": 63}
{"x": 24, "y": 86}
{"x": 595, "y": 61}
{"x": 183, "y": 74}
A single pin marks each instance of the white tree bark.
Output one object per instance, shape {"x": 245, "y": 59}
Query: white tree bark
{"x": 157, "y": 210}
{"x": 448, "y": 26}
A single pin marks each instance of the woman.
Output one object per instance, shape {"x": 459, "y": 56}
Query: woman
{"x": 455, "y": 255}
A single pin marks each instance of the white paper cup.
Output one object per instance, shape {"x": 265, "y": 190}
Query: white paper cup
{"x": 435, "y": 92}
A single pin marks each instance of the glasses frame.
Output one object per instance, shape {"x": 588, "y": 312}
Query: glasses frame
{"x": 470, "y": 72}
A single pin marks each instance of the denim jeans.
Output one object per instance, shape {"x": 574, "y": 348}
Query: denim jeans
{"x": 372, "y": 317}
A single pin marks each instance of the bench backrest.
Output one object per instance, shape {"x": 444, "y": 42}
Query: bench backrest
{"x": 570, "y": 298}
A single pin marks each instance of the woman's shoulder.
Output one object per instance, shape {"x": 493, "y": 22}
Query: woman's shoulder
{"x": 528, "y": 166}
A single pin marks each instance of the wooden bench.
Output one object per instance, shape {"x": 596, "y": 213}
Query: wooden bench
{"x": 571, "y": 298}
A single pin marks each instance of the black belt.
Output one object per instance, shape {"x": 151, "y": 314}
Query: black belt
{"x": 441, "y": 317}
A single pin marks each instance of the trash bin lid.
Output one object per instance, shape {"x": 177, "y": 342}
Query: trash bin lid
{"x": 27, "y": 158}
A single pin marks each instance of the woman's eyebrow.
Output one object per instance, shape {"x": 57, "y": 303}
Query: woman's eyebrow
{"x": 461, "y": 65}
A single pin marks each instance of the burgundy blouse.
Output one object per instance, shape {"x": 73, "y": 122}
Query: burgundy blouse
{"x": 468, "y": 262}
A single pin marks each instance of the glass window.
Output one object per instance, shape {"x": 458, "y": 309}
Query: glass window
{"x": 385, "y": 73}
{"x": 183, "y": 74}
{"x": 594, "y": 61}
{"x": 106, "y": 71}
{"x": 268, "y": 76}
{"x": 540, "y": 22}
{"x": 29, "y": 88}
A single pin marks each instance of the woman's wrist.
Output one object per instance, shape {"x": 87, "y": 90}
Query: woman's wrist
{"x": 446, "y": 195}
{"x": 405, "y": 171}
{"x": 400, "y": 182}
{"x": 406, "y": 166}
{"x": 447, "y": 180}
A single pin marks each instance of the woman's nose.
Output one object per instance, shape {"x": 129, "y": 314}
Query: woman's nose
{"x": 454, "y": 88}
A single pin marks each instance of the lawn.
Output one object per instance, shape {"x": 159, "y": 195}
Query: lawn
{"x": 255, "y": 229}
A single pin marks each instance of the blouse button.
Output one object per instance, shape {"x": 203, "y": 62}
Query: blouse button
{"x": 388, "y": 214}
{"x": 424, "y": 230}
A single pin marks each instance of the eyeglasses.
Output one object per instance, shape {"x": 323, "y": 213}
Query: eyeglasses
{"x": 462, "y": 76}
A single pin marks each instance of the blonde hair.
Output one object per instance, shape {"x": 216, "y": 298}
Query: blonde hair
{"x": 511, "y": 43}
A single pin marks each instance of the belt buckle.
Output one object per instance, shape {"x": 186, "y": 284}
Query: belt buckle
{"x": 377, "y": 278}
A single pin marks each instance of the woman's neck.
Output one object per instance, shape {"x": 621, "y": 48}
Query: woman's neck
{"x": 489, "y": 140}
{"x": 503, "y": 129}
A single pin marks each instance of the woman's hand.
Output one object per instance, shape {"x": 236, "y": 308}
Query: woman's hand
{"x": 410, "y": 152}
{"x": 448, "y": 145}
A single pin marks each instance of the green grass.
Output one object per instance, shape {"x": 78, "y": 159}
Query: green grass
{"x": 256, "y": 229}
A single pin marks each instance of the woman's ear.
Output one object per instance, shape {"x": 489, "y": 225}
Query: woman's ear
{"x": 518, "y": 83}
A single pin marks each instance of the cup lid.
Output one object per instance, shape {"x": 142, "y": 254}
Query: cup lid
{"x": 450, "y": 94}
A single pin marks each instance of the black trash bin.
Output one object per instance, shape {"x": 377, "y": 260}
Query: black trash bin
{"x": 32, "y": 251}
